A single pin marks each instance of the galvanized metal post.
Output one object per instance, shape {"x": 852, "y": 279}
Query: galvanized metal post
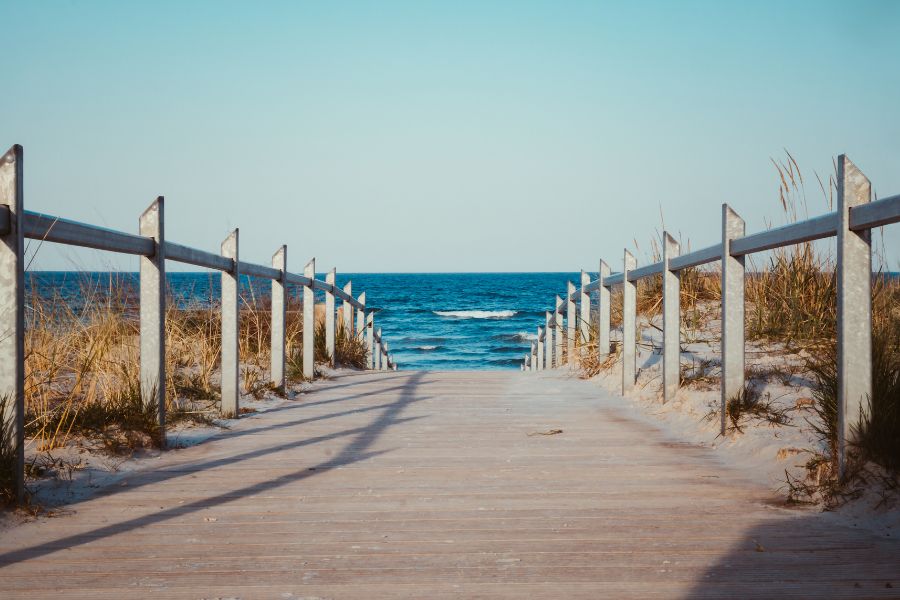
{"x": 629, "y": 324}
{"x": 309, "y": 322}
{"x": 348, "y": 311}
{"x": 370, "y": 339}
{"x": 570, "y": 323}
{"x": 279, "y": 317}
{"x": 378, "y": 350}
{"x": 540, "y": 350}
{"x": 329, "y": 315}
{"x": 671, "y": 281}
{"x": 230, "y": 370}
{"x": 152, "y": 309}
{"x": 603, "y": 310}
{"x": 360, "y": 317}
{"x": 558, "y": 338}
{"x": 854, "y": 308}
{"x": 584, "y": 309}
{"x": 548, "y": 340}
{"x": 12, "y": 311}
{"x": 732, "y": 313}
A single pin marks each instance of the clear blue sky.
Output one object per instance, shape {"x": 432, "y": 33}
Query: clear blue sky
{"x": 455, "y": 136}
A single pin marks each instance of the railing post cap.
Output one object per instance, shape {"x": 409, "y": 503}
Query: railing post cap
{"x": 230, "y": 239}
{"x": 671, "y": 244}
{"x": 14, "y": 153}
{"x": 729, "y": 213}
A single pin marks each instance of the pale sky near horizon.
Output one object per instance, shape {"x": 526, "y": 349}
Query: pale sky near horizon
{"x": 456, "y": 136}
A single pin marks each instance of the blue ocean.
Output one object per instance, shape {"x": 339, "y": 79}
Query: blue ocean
{"x": 430, "y": 320}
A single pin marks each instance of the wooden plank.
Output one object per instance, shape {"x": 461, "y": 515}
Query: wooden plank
{"x": 413, "y": 484}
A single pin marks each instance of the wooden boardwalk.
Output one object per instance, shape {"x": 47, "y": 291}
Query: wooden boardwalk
{"x": 427, "y": 485}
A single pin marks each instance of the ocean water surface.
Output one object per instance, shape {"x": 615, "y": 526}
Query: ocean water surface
{"x": 430, "y": 320}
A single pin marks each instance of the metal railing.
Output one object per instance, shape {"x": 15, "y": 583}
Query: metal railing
{"x": 154, "y": 250}
{"x": 852, "y": 223}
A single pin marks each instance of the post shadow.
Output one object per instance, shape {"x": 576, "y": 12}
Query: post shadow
{"x": 804, "y": 557}
{"x": 354, "y": 451}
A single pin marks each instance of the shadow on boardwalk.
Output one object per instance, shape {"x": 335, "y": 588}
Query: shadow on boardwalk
{"x": 803, "y": 557}
{"x": 356, "y": 450}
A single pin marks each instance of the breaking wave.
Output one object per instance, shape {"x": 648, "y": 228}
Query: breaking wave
{"x": 476, "y": 314}
{"x": 521, "y": 336}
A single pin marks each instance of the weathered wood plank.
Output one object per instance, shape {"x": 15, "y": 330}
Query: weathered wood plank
{"x": 409, "y": 485}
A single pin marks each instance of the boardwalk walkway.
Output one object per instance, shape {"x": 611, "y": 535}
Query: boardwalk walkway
{"x": 427, "y": 485}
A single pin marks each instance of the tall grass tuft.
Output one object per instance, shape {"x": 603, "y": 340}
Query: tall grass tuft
{"x": 8, "y": 456}
{"x": 82, "y": 360}
{"x": 78, "y": 356}
{"x": 877, "y": 434}
{"x": 350, "y": 350}
{"x": 793, "y": 299}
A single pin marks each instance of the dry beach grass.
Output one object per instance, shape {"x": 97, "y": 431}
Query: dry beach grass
{"x": 790, "y": 325}
{"x": 82, "y": 368}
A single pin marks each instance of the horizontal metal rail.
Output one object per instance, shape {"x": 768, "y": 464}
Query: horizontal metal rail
{"x": 54, "y": 229}
{"x": 645, "y": 271}
{"x": 295, "y": 279}
{"x": 49, "y": 228}
{"x": 854, "y": 320}
{"x": 795, "y": 233}
{"x": 614, "y": 279}
{"x": 875, "y": 214}
{"x": 154, "y": 250}
{"x": 696, "y": 258}
{"x": 199, "y": 258}
{"x": 867, "y": 216}
{"x": 62, "y": 231}
{"x": 261, "y": 271}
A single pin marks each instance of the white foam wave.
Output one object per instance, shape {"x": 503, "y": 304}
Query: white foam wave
{"x": 526, "y": 337}
{"x": 476, "y": 314}
{"x": 426, "y": 347}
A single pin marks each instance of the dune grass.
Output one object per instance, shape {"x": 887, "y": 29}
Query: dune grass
{"x": 82, "y": 362}
{"x": 7, "y": 456}
{"x": 791, "y": 309}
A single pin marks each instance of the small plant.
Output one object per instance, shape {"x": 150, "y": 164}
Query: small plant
{"x": 823, "y": 369}
{"x": 320, "y": 354}
{"x": 122, "y": 420}
{"x": 254, "y": 383}
{"x": 349, "y": 350}
{"x": 294, "y": 365}
{"x": 750, "y": 403}
{"x": 700, "y": 373}
{"x": 8, "y": 458}
{"x": 793, "y": 301}
{"x": 878, "y": 434}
